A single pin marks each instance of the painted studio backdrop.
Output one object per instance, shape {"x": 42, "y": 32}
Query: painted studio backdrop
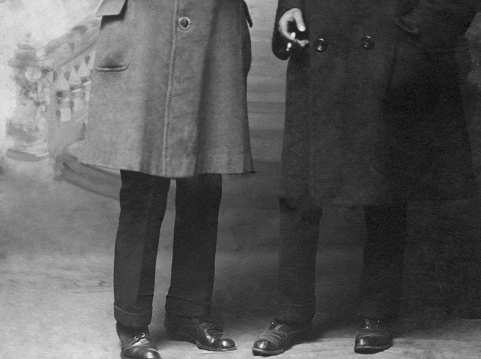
{"x": 46, "y": 59}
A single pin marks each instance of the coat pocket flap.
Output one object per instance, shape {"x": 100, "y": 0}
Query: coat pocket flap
{"x": 248, "y": 14}
{"x": 110, "y": 7}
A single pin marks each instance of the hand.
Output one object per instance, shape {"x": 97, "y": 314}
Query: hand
{"x": 292, "y": 16}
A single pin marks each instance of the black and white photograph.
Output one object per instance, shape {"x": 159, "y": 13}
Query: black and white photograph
{"x": 292, "y": 179}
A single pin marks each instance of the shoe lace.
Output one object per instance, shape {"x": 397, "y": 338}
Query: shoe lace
{"x": 275, "y": 337}
{"x": 212, "y": 329}
{"x": 139, "y": 338}
{"x": 211, "y": 326}
{"x": 372, "y": 324}
{"x": 373, "y": 327}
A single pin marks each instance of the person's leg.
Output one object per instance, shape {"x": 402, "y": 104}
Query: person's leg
{"x": 143, "y": 200}
{"x": 382, "y": 275}
{"x": 299, "y": 234}
{"x": 195, "y": 238}
{"x": 188, "y": 301}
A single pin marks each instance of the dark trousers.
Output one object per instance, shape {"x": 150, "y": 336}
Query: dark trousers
{"x": 380, "y": 292}
{"x": 143, "y": 200}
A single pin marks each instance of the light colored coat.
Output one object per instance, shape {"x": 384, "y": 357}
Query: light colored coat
{"x": 169, "y": 88}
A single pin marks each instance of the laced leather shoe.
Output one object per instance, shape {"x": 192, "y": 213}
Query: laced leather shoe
{"x": 141, "y": 347}
{"x": 373, "y": 336}
{"x": 280, "y": 337}
{"x": 199, "y": 332}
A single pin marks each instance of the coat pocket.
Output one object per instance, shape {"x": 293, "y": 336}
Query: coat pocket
{"x": 248, "y": 15}
{"x": 413, "y": 82}
{"x": 437, "y": 25}
{"x": 113, "y": 47}
{"x": 110, "y": 7}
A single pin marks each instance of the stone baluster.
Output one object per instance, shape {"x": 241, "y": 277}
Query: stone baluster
{"x": 62, "y": 94}
{"x": 75, "y": 85}
{"x": 84, "y": 74}
{"x": 91, "y": 60}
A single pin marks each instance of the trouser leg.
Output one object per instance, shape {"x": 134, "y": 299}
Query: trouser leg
{"x": 299, "y": 234}
{"x": 382, "y": 275}
{"x": 195, "y": 237}
{"x": 143, "y": 200}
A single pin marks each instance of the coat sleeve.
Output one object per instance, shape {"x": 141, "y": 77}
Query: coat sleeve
{"x": 279, "y": 44}
{"x": 436, "y": 24}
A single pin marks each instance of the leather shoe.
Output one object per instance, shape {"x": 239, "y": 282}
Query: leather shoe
{"x": 280, "y": 337}
{"x": 136, "y": 343}
{"x": 197, "y": 331}
{"x": 373, "y": 336}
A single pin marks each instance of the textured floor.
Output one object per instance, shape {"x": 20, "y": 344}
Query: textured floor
{"x": 56, "y": 280}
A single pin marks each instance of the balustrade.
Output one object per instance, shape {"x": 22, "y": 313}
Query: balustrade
{"x": 54, "y": 92}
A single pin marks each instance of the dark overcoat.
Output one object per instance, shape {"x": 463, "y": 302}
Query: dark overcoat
{"x": 374, "y": 109}
{"x": 169, "y": 88}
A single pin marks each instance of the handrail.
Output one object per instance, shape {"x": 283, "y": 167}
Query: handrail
{"x": 48, "y": 118}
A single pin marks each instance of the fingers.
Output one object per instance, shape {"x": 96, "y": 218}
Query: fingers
{"x": 292, "y": 16}
{"x": 299, "y": 20}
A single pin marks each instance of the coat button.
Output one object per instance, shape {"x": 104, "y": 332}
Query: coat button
{"x": 367, "y": 43}
{"x": 184, "y": 23}
{"x": 321, "y": 44}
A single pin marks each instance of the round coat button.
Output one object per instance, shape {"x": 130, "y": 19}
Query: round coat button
{"x": 367, "y": 43}
{"x": 184, "y": 23}
{"x": 321, "y": 44}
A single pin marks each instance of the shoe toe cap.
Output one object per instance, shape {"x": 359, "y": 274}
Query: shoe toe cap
{"x": 226, "y": 343}
{"x": 152, "y": 355}
{"x": 141, "y": 353}
{"x": 364, "y": 342}
{"x": 372, "y": 344}
{"x": 262, "y": 344}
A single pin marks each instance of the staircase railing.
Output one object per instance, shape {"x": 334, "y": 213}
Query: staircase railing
{"x": 54, "y": 92}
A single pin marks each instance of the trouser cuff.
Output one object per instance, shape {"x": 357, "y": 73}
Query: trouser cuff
{"x": 132, "y": 319}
